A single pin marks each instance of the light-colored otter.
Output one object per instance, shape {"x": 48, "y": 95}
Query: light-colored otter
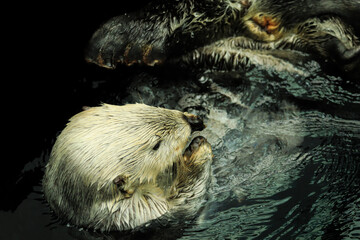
{"x": 119, "y": 167}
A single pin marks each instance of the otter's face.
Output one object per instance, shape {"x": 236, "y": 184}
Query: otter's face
{"x": 134, "y": 141}
{"x": 158, "y": 138}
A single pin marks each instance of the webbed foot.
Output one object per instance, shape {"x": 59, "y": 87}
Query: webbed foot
{"x": 125, "y": 40}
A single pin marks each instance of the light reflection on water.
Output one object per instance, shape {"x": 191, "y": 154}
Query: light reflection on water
{"x": 287, "y": 155}
{"x": 294, "y": 172}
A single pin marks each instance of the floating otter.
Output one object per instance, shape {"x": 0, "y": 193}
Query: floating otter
{"x": 228, "y": 34}
{"x": 118, "y": 167}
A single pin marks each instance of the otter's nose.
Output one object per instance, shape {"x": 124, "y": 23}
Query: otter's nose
{"x": 195, "y": 122}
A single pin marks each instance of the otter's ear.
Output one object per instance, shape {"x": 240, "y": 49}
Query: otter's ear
{"x": 119, "y": 181}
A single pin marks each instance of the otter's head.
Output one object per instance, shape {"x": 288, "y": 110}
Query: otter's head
{"x": 109, "y": 148}
{"x": 135, "y": 140}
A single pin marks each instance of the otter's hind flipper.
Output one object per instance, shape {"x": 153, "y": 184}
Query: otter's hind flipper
{"x": 127, "y": 39}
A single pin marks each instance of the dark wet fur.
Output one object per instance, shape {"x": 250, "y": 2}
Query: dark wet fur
{"x": 296, "y": 11}
{"x": 164, "y": 31}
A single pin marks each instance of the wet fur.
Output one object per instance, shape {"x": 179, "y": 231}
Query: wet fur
{"x": 104, "y": 173}
{"x": 285, "y": 53}
{"x": 166, "y": 31}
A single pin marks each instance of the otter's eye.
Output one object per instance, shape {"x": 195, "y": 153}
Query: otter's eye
{"x": 156, "y": 147}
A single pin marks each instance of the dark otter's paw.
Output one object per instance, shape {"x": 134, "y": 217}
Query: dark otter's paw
{"x": 126, "y": 40}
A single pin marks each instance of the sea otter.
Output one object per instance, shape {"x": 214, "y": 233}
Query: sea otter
{"x": 119, "y": 167}
{"x": 230, "y": 34}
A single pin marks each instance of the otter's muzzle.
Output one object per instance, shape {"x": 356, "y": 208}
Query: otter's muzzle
{"x": 195, "y": 122}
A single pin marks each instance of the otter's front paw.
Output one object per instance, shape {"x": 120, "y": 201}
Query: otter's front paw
{"x": 120, "y": 182}
{"x": 198, "y": 152}
{"x": 264, "y": 27}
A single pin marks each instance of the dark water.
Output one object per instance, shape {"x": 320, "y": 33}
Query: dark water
{"x": 287, "y": 147}
{"x": 287, "y": 154}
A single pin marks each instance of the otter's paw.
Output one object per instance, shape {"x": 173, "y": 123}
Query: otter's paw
{"x": 264, "y": 27}
{"x": 120, "y": 182}
{"x": 198, "y": 152}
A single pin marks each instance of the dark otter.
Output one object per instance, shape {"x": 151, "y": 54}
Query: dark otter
{"x": 216, "y": 33}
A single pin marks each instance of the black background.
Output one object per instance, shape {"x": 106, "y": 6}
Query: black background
{"x": 43, "y": 72}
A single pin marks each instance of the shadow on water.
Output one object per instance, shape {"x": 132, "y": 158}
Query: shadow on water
{"x": 287, "y": 149}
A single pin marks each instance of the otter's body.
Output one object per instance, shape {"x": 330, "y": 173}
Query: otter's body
{"x": 118, "y": 167}
{"x": 187, "y": 30}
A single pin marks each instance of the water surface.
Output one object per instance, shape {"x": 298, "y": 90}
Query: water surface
{"x": 286, "y": 147}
